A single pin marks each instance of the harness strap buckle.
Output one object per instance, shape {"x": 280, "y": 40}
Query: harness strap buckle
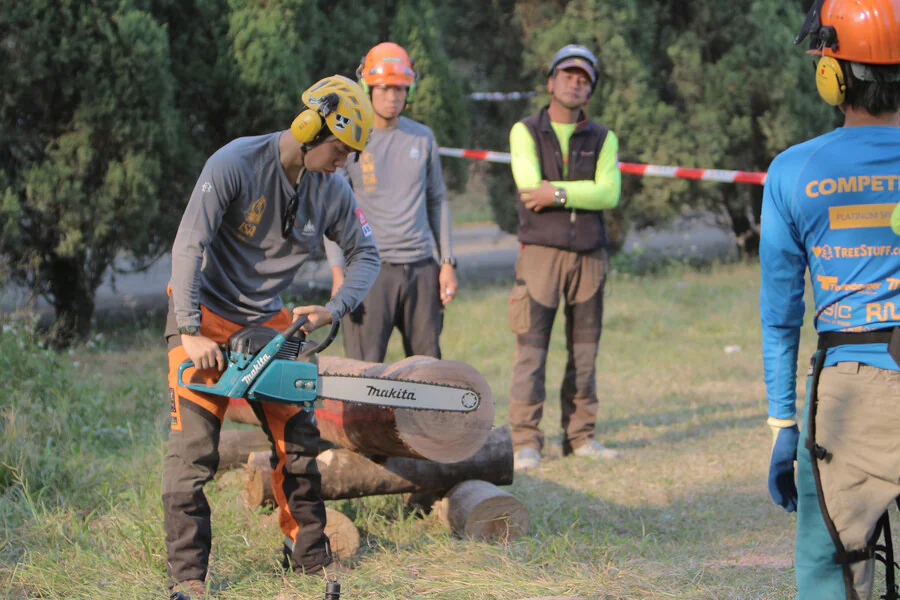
{"x": 818, "y": 451}
{"x": 853, "y": 556}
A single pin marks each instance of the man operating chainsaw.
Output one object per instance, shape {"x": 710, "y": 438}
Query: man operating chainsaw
{"x": 260, "y": 206}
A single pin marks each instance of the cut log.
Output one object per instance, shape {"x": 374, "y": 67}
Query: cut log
{"x": 343, "y": 536}
{"x": 258, "y": 491}
{"x": 347, "y": 474}
{"x": 235, "y": 446}
{"x": 435, "y": 435}
{"x": 481, "y": 511}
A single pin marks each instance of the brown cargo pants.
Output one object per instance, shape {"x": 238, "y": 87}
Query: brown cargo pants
{"x": 544, "y": 277}
{"x": 857, "y": 425}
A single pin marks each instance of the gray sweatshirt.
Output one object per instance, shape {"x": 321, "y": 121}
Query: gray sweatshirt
{"x": 229, "y": 252}
{"x": 399, "y": 185}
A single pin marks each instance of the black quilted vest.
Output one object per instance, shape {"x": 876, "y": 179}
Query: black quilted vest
{"x": 560, "y": 227}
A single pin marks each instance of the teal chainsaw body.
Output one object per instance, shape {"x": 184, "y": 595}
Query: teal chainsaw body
{"x": 278, "y": 372}
{"x": 265, "y": 365}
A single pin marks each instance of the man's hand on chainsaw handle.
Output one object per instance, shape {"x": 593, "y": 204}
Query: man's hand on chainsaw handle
{"x": 204, "y": 352}
{"x": 317, "y": 315}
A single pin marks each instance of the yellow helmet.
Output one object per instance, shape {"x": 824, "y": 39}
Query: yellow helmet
{"x": 340, "y": 104}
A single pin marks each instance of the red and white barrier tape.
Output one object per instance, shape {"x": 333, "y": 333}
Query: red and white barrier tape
{"x": 501, "y": 96}
{"x": 488, "y": 155}
{"x": 631, "y": 168}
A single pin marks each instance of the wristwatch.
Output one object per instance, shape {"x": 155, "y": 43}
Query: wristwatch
{"x": 449, "y": 261}
{"x": 560, "y": 196}
{"x": 189, "y": 330}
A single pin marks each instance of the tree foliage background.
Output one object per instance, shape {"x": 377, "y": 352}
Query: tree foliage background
{"x": 109, "y": 107}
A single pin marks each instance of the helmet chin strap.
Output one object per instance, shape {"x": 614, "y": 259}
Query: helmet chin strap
{"x": 317, "y": 142}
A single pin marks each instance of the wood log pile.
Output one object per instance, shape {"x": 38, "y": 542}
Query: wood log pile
{"x": 453, "y": 458}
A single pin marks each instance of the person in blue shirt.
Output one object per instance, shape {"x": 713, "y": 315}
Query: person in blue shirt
{"x": 827, "y": 208}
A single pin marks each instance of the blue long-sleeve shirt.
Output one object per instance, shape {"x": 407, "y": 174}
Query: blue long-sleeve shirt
{"x": 826, "y": 207}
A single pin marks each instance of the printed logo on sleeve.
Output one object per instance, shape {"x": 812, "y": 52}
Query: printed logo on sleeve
{"x": 366, "y": 228}
{"x": 206, "y": 187}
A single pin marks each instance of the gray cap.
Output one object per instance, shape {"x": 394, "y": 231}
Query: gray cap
{"x": 576, "y": 62}
{"x": 574, "y": 56}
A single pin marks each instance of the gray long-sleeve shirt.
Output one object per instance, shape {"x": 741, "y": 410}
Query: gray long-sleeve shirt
{"x": 229, "y": 252}
{"x": 398, "y": 183}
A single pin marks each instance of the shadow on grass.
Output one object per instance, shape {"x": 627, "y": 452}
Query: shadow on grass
{"x": 703, "y": 543}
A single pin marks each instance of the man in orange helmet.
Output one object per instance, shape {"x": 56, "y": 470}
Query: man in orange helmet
{"x": 826, "y": 208}
{"x": 398, "y": 183}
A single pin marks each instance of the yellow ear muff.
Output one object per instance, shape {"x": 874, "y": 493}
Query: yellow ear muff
{"x": 830, "y": 81}
{"x": 307, "y": 126}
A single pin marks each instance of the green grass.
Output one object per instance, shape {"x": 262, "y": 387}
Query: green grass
{"x": 471, "y": 205}
{"x": 684, "y": 514}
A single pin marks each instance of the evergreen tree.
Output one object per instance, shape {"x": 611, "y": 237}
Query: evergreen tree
{"x": 439, "y": 98}
{"x": 487, "y": 48}
{"x": 91, "y": 161}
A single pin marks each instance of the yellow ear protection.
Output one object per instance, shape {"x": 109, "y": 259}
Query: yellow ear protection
{"x": 359, "y": 76}
{"x": 311, "y": 122}
{"x": 830, "y": 81}
{"x": 412, "y": 87}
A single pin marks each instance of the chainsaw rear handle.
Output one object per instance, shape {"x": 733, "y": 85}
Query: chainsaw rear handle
{"x": 291, "y": 329}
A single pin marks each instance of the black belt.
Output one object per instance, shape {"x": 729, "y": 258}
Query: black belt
{"x": 891, "y": 337}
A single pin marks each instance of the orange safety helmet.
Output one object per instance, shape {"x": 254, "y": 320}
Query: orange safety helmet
{"x": 862, "y": 31}
{"x": 387, "y": 64}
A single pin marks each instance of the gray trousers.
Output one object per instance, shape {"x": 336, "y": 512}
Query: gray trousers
{"x": 405, "y": 296}
{"x": 544, "y": 277}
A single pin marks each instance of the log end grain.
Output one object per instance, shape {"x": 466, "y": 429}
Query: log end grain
{"x": 481, "y": 511}
{"x": 343, "y": 536}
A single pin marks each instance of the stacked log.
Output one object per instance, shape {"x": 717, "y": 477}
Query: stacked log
{"x": 342, "y": 534}
{"x": 446, "y": 437}
{"x": 236, "y": 445}
{"x": 346, "y": 474}
{"x": 425, "y": 455}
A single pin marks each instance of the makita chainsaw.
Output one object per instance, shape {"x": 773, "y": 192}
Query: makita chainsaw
{"x": 265, "y": 365}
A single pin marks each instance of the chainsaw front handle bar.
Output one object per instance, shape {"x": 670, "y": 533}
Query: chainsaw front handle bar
{"x": 300, "y": 322}
{"x": 324, "y": 343}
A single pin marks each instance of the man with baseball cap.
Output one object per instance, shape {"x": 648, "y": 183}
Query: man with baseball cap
{"x": 565, "y": 170}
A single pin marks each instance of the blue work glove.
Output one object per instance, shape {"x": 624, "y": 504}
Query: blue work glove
{"x": 782, "y": 488}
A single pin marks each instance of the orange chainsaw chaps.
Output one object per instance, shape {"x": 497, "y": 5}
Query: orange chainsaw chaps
{"x": 218, "y": 329}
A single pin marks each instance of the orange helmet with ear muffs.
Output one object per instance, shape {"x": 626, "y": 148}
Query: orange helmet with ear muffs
{"x": 339, "y": 106}
{"x": 860, "y": 31}
{"x": 388, "y": 64}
